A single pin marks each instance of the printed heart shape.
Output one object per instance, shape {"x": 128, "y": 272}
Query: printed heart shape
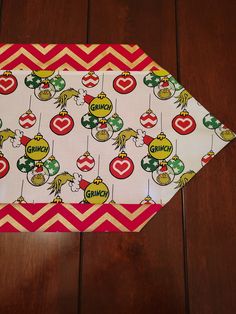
{"x": 6, "y": 83}
{"x": 62, "y": 123}
{"x": 3, "y": 166}
{"x": 124, "y": 83}
{"x": 121, "y": 166}
{"x": 184, "y": 123}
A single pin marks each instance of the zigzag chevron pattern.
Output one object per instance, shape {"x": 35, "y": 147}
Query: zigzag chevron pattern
{"x": 75, "y": 57}
{"x": 75, "y": 217}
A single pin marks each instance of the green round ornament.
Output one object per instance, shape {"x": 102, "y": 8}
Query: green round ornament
{"x": 89, "y": 121}
{"x": 32, "y": 81}
{"x": 116, "y": 122}
{"x": 151, "y": 80}
{"x": 58, "y": 82}
{"x": 177, "y": 85}
{"x": 149, "y": 164}
{"x": 176, "y": 164}
{"x": 25, "y": 164}
{"x": 211, "y": 122}
{"x": 52, "y": 165}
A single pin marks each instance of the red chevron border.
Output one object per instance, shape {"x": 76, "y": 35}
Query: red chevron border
{"x": 75, "y": 217}
{"x": 78, "y": 57}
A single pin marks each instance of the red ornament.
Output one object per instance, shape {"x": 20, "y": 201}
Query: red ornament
{"x": 121, "y": 167}
{"x": 184, "y": 123}
{"x": 62, "y": 123}
{"x": 8, "y": 83}
{"x": 206, "y": 158}
{"x": 90, "y": 79}
{"x": 148, "y": 119}
{"x": 124, "y": 83}
{"x": 27, "y": 119}
{"x": 4, "y": 166}
{"x": 85, "y": 162}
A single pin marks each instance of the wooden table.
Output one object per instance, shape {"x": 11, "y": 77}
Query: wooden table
{"x": 184, "y": 260}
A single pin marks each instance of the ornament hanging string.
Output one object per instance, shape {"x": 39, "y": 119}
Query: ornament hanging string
{"x": 30, "y": 102}
{"x": 102, "y": 81}
{"x": 175, "y": 147}
{"x": 87, "y": 145}
{"x": 22, "y": 187}
{"x": 40, "y": 116}
{"x": 149, "y": 106}
{"x": 112, "y": 192}
{"x": 52, "y": 147}
{"x": 161, "y": 121}
{"x": 98, "y": 164}
{"x": 212, "y": 140}
{"x": 148, "y": 187}
{"x": 116, "y": 106}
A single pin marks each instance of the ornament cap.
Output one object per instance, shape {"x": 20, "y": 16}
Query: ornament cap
{"x": 97, "y": 180}
{"x": 161, "y": 136}
{"x": 163, "y": 163}
{"x": 175, "y": 157}
{"x": 211, "y": 153}
{"x": 7, "y": 73}
{"x": 90, "y": 73}
{"x": 39, "y": 164}
{"x": 115, "y": 115}
{"x": 112, "y": 202}
{"x": 63, "y": 112}
{"x": 38, "y": 136}
{"x": 1, "y": 154}
{"x": 148, "y": 198}
{"x": 28, "y": 111}
{"x": 51, "y": 158}
{"x": 122, "y": 154}
{"x": 57, "y": 200}
{"x": 149, "y": 111}
{"x": 86, "y": 154}
{"x": 20, "y": 199}
{"x": 103, "y": 121}
{"x": 184, "y": 113}
{"x": 125, "y": 73}
{"x": 101, "y": 95}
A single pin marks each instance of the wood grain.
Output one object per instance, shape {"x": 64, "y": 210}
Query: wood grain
{"x": 207, "y": 68}
{"x": 136, "y": 273}
{"x": 40, "y": 272}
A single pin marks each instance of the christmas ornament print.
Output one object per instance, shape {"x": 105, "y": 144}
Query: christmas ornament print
{"x": 52, "y": 165}
{"x": 90, "y": 79}
{"x": 161, "y": 147}
{"x": 37, "y": 148}
{"x": 164, "y": 174}
{"x": 4, "y": 166}
{"x": 184, "y": 123}
{"x": 27, "y": 119}
{"x": 100, "y": 106}
{"x": 96, "y": 192}
{"x": 103, "y": 131}
{"x": 176, "y": 83}
{"x": 147, "y": 200}
{"x": 89, "y": 121}
{"x": 0, "y": 123}
{"x": 148, "y": 119}
{"x": 149, "y": 164}
{"x": 151, "y": 79}
{"x": 58, "y": 82}
{"x": 225, "y": 133}
{"x": 25, "y": 164}
{"x": 32, "y": 81}
{"x": 85, "y": 162}
{"x": 38, "y": 176}
{"x": 43, "y": 73}
{"x": 8, "y": 83}
{"x": 211, "y": 122}
{"x": 121, "y": 167}
{"x": 206, "y": 158}
{"x": 124, "y": 83}
{"x": 116, "y": 122}
{"x": 165, "y": 89}
{"x": 62, "y": 123}
{"x": 176, "y": 164}
{"x": 45, "y": 91}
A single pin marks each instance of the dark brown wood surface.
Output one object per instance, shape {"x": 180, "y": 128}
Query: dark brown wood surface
{"x": 184, "y": 259}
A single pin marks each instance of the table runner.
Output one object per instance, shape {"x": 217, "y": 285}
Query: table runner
{"x": 95, "y": 137}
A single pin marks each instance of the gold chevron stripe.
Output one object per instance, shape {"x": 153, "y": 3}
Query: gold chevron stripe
{"x": 76, "y": 213}
{"x": 86, "y": 49}
{"x": 5, "y": 47}
{"x": 73, "y": 56}
{"x": 109, "y": 218}
{"x": 54, "y": 219}
{"x": 44, "y": 50}
{"x": 140, "y": 227}
{"x": 130, "y": 48}
{"x": 13, "y": 222}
